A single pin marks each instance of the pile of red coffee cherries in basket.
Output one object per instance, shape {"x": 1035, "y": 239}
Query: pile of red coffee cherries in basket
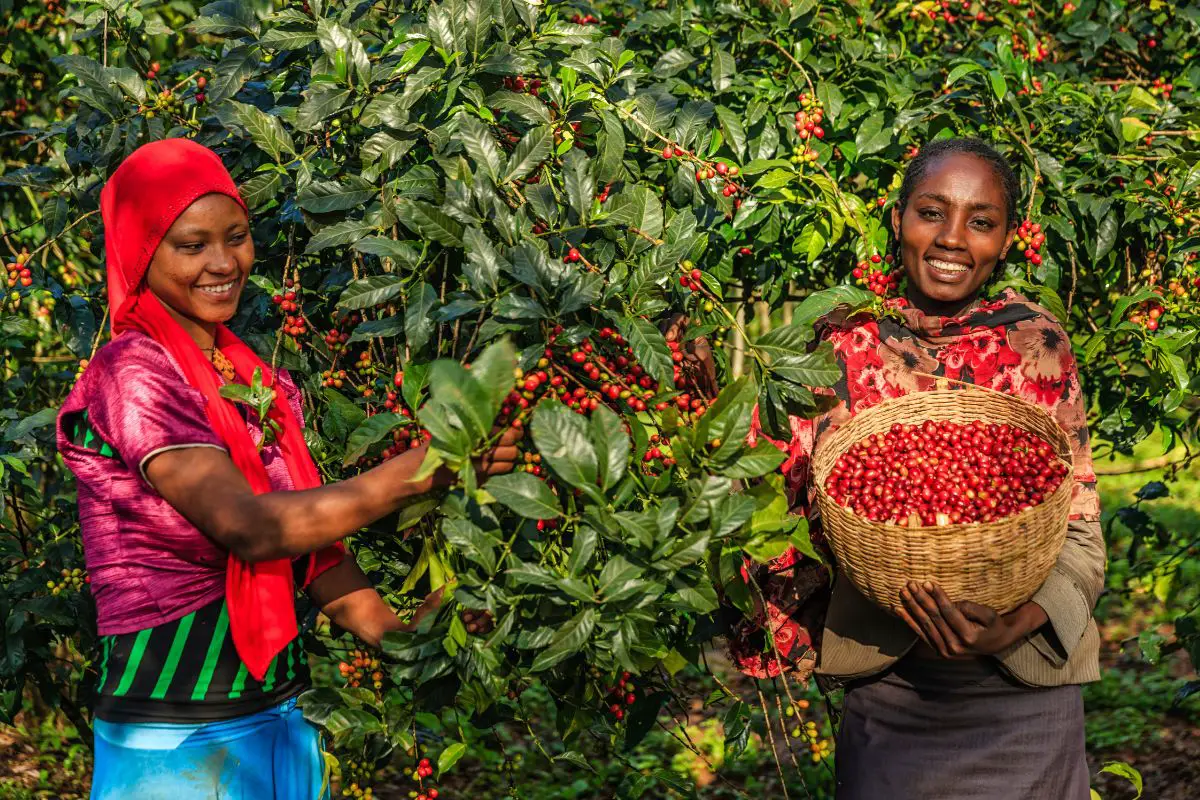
{"x": 944, "y": 473}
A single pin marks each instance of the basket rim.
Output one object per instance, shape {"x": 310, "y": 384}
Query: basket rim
{"x": 825, "y": 499}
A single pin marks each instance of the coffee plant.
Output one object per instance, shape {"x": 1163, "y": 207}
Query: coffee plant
{"x": 474, "y": 213}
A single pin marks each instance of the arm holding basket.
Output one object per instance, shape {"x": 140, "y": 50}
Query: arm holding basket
{"x": 1058, "y": 616}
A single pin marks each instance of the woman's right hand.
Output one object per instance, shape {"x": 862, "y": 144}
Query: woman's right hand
{"x": 697, "y": 356}
{"x": 502, "y": 457}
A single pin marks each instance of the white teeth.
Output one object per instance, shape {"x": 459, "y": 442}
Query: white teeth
{"x": 946, "y": 266}
{"x": 224, "y": 287}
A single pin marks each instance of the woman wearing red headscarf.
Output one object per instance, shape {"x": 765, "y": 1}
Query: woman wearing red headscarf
{"x": 197, "y": 535}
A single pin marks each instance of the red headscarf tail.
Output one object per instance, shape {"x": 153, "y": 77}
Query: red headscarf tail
{"x": 142, "y": 199}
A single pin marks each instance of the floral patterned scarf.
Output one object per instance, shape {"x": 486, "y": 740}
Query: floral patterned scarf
{"x": 1008, "y": 344}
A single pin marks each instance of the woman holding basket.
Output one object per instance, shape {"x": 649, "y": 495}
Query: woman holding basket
{"x": 948, "y": 699}
{"x": 200, "y": 531}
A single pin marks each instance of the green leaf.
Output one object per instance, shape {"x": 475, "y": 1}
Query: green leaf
{"x": 650, "y": 349}
{"x": 960, "y": 71}
{"x": 611, "y": 443}
{"x": 611, "y": 149}
{"x": 322, "y": 197}
{"x": 449, "y": 757}
{"x": 266, "y": 130}
{"x": 493, "y": 371}
{"x": 872, "y": 135}
{"x": 321, "y": 102}
{"x": 561, "y": 436}
{"x": 384, "y": 247}
{"x": 55, "y": 215}
{"x": 524, "y": 494}
{"x": 480, "y": 145}
{"x": 343, "y": 233}
{"x": 820, "y": 303}
{"x": 429, "y": 221}
{"x": 531, "y": 151}
{"x": 723, "y": 70}
{"x": 372, "y": 291}
{"x": 1123, "y": 770}
{"x": 372, "y": 430}
{"x": 763, "y": 458}
{"x": 411, "y": 57}
{"x": 260, "y": 188}
{"x": 483, "y": 264}
{"x": 1133, "y": 129}
{"x": 731, "y": 126}
{"x": 418, "y": 322}
{"x": 526, "y": 106}
{"x": 341, "y": 43}
{"x": 23, "y": 427}
{"x": 999, "y": 85}
{"x": 279, "y": 39}
{"x": 568, "y": 640}
{"x": 817, "y": 368}
{"x": 234, "y": 69}
{"x": 1106, "y": 235}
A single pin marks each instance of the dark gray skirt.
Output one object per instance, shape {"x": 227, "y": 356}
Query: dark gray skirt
{"x": 959, "y": 730}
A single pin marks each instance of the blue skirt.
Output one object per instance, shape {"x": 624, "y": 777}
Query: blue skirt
{"x": 272, "y": 755}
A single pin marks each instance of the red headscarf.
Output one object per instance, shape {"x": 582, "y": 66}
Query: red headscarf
{"x": 142, "y": 199}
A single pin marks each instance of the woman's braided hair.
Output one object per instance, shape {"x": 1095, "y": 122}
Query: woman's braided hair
{"x": 931, "y": 153}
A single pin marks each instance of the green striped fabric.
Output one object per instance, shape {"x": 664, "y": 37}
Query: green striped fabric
{"x": 83, "y": 435}
{"x": 188, "y": 670}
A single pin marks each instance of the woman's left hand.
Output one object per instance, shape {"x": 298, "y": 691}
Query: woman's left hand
{"x": 965, "y": 629}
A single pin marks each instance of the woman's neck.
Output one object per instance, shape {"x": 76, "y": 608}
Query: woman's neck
{"x": 204, "y": 334}
{"x": 940, "y": 308}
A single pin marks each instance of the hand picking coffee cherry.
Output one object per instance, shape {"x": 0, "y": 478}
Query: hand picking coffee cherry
{"x": 943, "y": 473}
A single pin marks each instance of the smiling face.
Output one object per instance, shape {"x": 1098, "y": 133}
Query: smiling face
{"x": 201, "y": 265}
{"x": 952, "y": 233}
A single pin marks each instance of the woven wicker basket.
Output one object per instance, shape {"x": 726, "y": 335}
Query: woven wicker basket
{"x": 998, "y": 564}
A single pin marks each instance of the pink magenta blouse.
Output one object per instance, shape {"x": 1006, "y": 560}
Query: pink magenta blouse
{"x": 148, "y": 565}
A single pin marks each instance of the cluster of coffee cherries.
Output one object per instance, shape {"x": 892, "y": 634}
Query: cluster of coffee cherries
{"x": 573, "y": 255}
{"x": 519, "y": 83}
{"x": 585, "y": 375}
{"x": 355, "y": 776}
{"x": 294, "y": 324}
{"x": 1029, "y": 240}
{"x": 943, "y": 473}
{"x": 421, "y": 775}
{"x": 72, "y": 580}
{"x": 718, "y": 169}
{"x": 165, "y": 102}
{"x": 584, "y": 19}
{"x": 68, "y": 273}
{"x": 809, "y": 117}
{"x": 602, "y": 196}
{"x": 1037, "y": 54}
{"x": 620, "y": 695}
{"x": 1162, "y": 88}
{"x": 367, "y": 370}
{"x": 1147, "y": 314}
{"x": 1034, "y": 87}
{"x": 406, "y": 437}
{"x": 692, "y": 277}
{"x": 876, "y": 274}
{"x": 361, "y": 667}
{"x": 19, "y": 272}
{"x": 658, "y": 454}
{"x": 338, "y": 337}
{"x": 333, "y": 378}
